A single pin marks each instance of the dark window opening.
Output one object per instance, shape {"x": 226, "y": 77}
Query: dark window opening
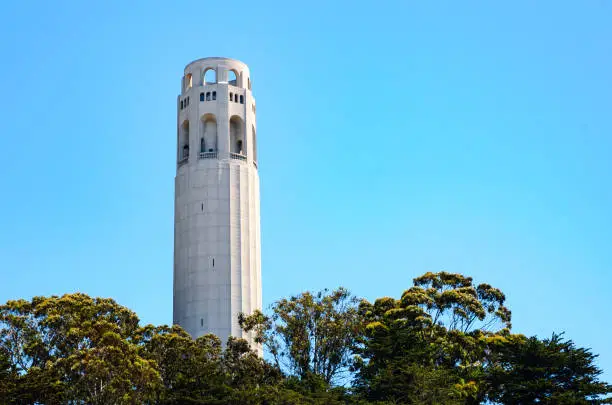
{"x": 241, "y": 99}
{"x": 231, "y": 96}
{"x": 202, "y": 322}
{"x": 181, "y": 105}
{"x": 201, "y": 96}
{"x": 214, "y": 95}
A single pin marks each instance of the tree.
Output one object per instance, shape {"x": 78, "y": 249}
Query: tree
{"x": 75, "y": 348}
{"x": 429, "y": 346}
{"x": 200, "y": 371}
{"x": 190, "y": 369}
{"x": 397, "y": 358}
{"x": 452, "y": 300}
{"x": 252, "y": 380}
{"x": 7, "y": 379}
{"x": 309, "y": 335}
{"x": 549, "y": 371}
{"x": 444, "y": 342}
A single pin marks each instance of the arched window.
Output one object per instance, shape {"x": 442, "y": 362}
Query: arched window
{"x": 237, "y": 135}
{"x": 184, "y": 141}
{"x": 210, "y": 76}
{"x": 241, "y": 99}
{"x": 232, "y": 78}
{"x": 208, "y": 96}
{"x": 181, "y": 104}
{"x": 231, "y": 96}
{"x": 208, "y": 133}
{"x": 201, "y": 96}
{"x": 214, "y": 95}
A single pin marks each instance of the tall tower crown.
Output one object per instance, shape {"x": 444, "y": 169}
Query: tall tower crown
{"x": 217, "y": 271}
{"x": 224, "y": 86}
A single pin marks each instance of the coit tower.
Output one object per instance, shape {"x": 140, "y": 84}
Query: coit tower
{"x": 217, "y": 270}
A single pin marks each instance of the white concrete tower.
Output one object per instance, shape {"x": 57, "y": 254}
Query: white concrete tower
{"x": 217, "y": 269}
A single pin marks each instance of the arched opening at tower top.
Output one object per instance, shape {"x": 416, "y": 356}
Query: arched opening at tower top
{"x": 232, "y": 77}
{"x": 209, "y": 76}
{"x": 208, "y": 134}
{"x": 188, "y": 82}
{"x": 237, "y": 141}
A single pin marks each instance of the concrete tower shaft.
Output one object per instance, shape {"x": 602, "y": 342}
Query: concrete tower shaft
{"x": 217, "y": 269}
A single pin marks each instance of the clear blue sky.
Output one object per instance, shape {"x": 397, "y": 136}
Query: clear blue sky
{"x": 395, "y": 138}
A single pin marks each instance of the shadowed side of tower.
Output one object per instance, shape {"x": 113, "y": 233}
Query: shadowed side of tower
{"x": 217, "y": 265}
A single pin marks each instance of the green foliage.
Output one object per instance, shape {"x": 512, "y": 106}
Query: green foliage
{"x": 445, "y": 341}
{"x": 425, "y": 347}
{"x": 75, "y": 347}
{"x": 310, "y": 334}
{"x": 8, "y": 379}
{"x": 190, "y": 370}
{"x": 549, "y": 371}
{"x": 453, "y": 301}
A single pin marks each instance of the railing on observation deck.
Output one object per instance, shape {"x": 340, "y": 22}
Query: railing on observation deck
{"x": 208, "y": 155}
{"x": 238, "y": 156}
